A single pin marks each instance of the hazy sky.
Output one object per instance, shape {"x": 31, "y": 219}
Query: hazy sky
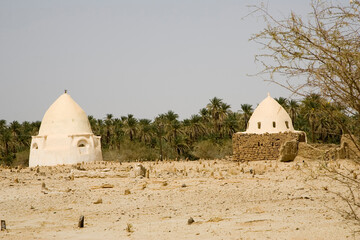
{"x": 140, "y": 57}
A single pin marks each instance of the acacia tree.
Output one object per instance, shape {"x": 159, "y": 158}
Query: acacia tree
{"x": 323, "y": 50}
{"x": 318, "y": 54}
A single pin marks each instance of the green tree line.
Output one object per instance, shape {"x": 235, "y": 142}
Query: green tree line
{"x": 206, "y": 134}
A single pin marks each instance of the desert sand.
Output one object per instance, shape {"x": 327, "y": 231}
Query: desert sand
{"x": 227, "y": 200}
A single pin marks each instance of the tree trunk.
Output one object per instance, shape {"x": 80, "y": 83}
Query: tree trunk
{"x": 161, "y": 151}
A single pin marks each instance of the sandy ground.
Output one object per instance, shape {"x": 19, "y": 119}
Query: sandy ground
{"x": 225, "y": 199}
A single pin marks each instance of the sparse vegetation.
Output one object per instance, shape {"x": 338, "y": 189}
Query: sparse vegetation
{"x": 129, "y": 228}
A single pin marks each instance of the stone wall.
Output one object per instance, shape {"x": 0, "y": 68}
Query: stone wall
{"x": 347, "y": 149}
{"x": 253, "y": 147}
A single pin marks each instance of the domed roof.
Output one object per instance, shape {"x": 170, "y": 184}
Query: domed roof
{"x": 269, "y": 117}
{"x": 65, "y": 116}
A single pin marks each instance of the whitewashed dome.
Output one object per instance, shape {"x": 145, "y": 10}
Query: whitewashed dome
{"x": 64, "y": 116}
{"x": 269, "y": 117}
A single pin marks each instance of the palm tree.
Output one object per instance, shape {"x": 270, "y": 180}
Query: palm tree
{"x": 283, "y": 102}
{"x": 216, "y": 109}
{"x": 15, "y": 131}
{"x": 3, "y": 140}
{"x": 93, "y": 123}
{"x": 160, "y": 122}
{"x": 100, "y": 128}
{"x": 223, "y": 114}
{"x": 172, "y": 125}
{"x": 231, "y": 124}
{"x": 247, "y": 110}
{"x": 293, "y": 109}
{"x": 205, "y": 119}
{"x": 26, "y": 133}
{"x": 204, "y": 113}
{"x": 145, "y": 131}
{"x": 194, "y": 127}
{"x": 180, "y": 145}
{"x": 311, "y": 105}
{"x": 109, "y": 126}
{"x": 130, "y": 126}
{"x": 6, "y": 138}
{"x": 118, "y": 132}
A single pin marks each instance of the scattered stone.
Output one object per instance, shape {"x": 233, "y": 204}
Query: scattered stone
{"x": 99, "y": 201}
{"x": 3, "y": 225}
{"x": 184, "y": 185}
{"x": 288, "y": 151}
{"x": 81, "y": 222}
{"x": 139, "y": 170}
{"x": 43, "y": 186}
{"x": 127, "y": 192}
{"x": 191, "y": 221}
{"x": 16, "y": 180}
{"x": 79, "y": 167}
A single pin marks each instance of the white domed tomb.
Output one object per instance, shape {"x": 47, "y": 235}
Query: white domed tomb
{"x": 65, "y": 136}
{"x": 269, "y": 117}
{"x": 269, "y": 128}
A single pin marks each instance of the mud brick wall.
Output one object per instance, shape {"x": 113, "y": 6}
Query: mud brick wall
{"x": 254, "y": 147}
{"x": 348, "y": 148}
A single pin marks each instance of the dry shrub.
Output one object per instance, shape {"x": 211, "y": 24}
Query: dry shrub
{"x": 209, "y": 150}
{"x": 131, "y": 152}
{"x": 129, "y": 228}
{"x": 345, "y": 175}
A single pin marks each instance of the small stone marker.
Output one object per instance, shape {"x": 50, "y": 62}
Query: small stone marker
{"x": 81, "y": 222}
{"x": 3, "y": 225}
{"x": 107, "y": 185}
{"x": 98, "y": 201}
{"x": 191, "y": 220}
{"x": 139, "y": 170}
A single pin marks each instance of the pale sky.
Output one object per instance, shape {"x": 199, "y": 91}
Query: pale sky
{"x": 140, "y": 57}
